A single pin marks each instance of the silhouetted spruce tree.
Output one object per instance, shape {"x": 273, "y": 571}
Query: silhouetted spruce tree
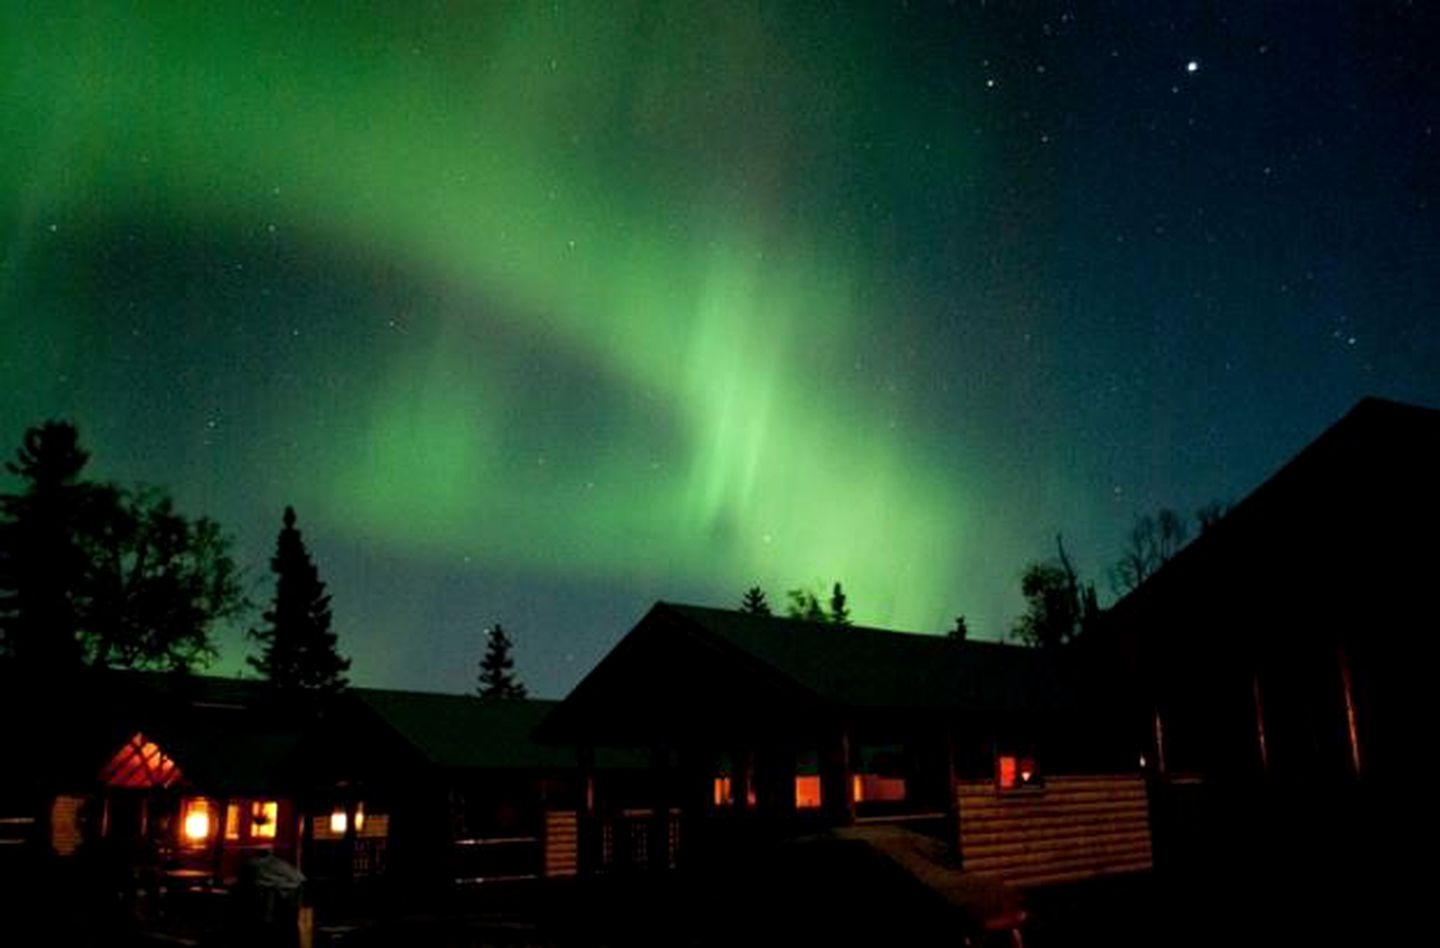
{"x": 497, "y": 680}
{"x": 43, "y": 563}
{"x": 298, "y": 650}
{"x": 839, "y": 614}
{"x": 754, "y": 602}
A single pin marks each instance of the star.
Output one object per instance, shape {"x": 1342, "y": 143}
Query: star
{"x": 1192, "y": 66}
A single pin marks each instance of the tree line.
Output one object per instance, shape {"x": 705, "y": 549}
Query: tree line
{"x": 93, "y": 574}
{"x": 1059, "y": 605}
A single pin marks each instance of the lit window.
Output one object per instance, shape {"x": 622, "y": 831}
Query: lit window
{"x": 375, "y": 826}
{"x": 338, "y": 821}
{"x": 359, "y": 817}
{"x": 807, "y": 792}
{"x": 139, "y": 765}
{"x": 877, "y": 789}
{"x": 232, "y": 821}
{"x": 264, "y": 815}
{"x": 1012, "y": 772}
{"x": 724, "y": 794}
{"x": 880, "y": 774}
{"x": 195, "y": 824}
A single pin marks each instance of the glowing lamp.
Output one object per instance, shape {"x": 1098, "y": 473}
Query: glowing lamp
{"x": 337, "y": 821}
{"x": 197, "y": 821}
{"x": 359, "y": 817}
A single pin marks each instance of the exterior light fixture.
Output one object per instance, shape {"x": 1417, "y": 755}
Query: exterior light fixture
{"x": 196, "y": 825}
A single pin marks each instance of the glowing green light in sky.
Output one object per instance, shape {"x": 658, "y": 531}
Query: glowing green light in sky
{"x": 571, "y": 180}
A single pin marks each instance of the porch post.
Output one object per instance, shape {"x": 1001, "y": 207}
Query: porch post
{"x": 657, "y": 854}
{"x": 835, "y": 779}
{"x": 587, "y": 825}
{"x": 742, "y": 766}
{"x": 952, "y": 798}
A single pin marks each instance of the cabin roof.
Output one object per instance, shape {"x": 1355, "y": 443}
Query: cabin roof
{"x": 690, "y": 671}
{"x": 861, "y": 667}
{"x": 1332, "y": 509}
{"x": 467, "y": 732}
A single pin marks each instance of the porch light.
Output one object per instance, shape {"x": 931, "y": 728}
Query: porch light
{"x": 337, "y": 821}
{"x": 196, "y": 825}
{"x": 359, "y": 817}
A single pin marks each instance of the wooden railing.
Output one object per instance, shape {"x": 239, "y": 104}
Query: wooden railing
{"x": 1069, "y": 829}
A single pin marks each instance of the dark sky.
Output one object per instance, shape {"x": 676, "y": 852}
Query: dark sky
{"x": 538, "y": 313}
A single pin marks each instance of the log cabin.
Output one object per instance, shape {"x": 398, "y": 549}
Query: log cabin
{"x": 183, "y": 777}
{"x": 761, "y": 727}
{"x": 438, "y": 790}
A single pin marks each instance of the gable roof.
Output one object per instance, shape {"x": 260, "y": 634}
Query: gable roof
{"x": 1334, "y": 508}
{"x": 691, "y": 670}
{"x": 861, "y": 667}
{"x": 224, "y": 735}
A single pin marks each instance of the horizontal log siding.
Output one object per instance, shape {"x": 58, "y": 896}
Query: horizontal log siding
{"x": 562, "y": 853}
{"x": 1070, "y": 829}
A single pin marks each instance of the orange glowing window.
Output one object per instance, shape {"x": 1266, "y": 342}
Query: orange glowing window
{"x": 139, "y": 765}
{"x": 232, "y": 821}
{"x": 195, "y": 822}
{"x": 724, "y": 792}
{"x": 807, "y": 792}
{"x": 264, "y": 815}
{"x": 1012, "y": 772}
{"x": 877, "y": 789}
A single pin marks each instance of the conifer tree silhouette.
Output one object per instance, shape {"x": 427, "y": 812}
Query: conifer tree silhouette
{"x": 298, "y": 650}
{"x": 497, "y": 680}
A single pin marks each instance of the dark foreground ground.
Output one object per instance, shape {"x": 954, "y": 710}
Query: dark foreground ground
{"x": 821, "y": 898}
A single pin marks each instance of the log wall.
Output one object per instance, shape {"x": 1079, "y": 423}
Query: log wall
{"x": 1069, "y": 829}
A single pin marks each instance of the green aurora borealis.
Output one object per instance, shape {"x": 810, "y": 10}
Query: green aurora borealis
{"x": 603, "y": 302}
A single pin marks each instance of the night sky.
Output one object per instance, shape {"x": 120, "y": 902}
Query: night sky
{"x": 538, "y": 313}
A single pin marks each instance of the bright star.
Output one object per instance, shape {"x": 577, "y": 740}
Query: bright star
{"x": 1192, "y": 66}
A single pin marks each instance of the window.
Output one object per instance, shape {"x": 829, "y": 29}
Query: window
{"x": 873, "y": 788}
{"x": 1013, "y": 772}
{"x": 140, "y": 764}
{"x": 724, "y": 792}
{"x": 807, "y": 780}
{"x": 880, "y": 776}
{"x": 334, "y": 824}
{"x": 264, "y": 815}
{"x": 232, "y": 821}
